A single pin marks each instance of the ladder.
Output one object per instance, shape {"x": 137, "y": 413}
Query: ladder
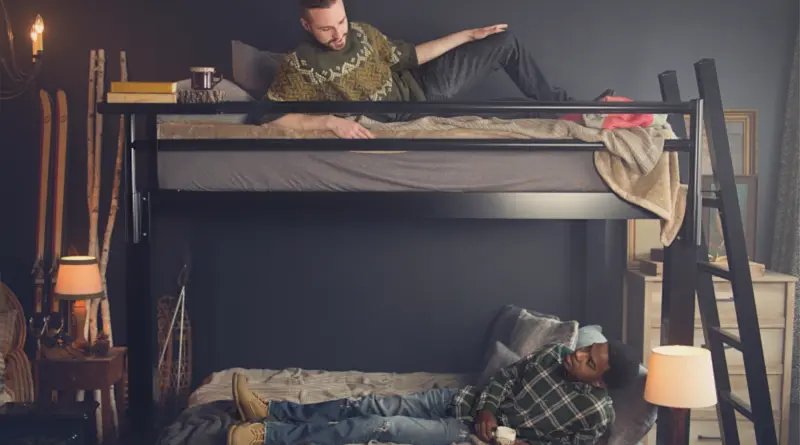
{"x": 690, "y": 254}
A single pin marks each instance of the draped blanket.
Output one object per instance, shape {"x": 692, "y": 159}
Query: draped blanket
{"x": 634, "y": 164}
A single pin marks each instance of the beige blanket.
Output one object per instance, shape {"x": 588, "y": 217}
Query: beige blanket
{"x": 635, "y": 165}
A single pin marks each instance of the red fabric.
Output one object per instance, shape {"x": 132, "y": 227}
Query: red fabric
{"x": 612, "y": 121}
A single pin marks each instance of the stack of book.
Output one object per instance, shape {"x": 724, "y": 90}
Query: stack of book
{"x": 143, "y": 92}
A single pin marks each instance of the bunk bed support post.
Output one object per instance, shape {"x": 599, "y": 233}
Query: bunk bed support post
{"x": 680, "y": 266}
{"x": 139, "y": 315}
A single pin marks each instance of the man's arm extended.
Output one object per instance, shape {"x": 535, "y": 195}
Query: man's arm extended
{"x": 343, "y": 128}
{"x": 430, "y": 50}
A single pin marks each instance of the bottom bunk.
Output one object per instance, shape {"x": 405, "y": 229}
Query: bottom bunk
{"x": 515, "y": 333}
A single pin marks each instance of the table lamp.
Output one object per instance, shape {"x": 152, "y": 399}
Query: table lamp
{"x": 78, "y": 280}
{"x": 680, "y": 378}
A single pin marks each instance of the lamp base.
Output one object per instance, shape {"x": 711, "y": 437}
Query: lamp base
{"x": 680, "y": 422}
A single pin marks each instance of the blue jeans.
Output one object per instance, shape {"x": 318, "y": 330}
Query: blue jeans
{"x": 418, "y": 419}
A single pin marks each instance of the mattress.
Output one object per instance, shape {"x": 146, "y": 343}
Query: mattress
{"x": 311, "y": 386}
{"x": 308, "y": 170}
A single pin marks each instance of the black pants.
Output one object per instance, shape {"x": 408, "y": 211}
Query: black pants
{"x": 462, "y": 67}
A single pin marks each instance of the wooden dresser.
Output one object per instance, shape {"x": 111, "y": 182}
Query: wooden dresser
{"x": 775, "y": 302}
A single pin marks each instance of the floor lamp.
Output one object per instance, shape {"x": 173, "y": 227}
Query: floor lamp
{"x": 680, "y": 378}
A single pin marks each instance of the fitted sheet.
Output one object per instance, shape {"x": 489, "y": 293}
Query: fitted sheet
{"x": 307, "y": 171}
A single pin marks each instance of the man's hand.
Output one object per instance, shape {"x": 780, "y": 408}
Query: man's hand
{"x": 482, "y": 33}
{"x": 485, "y": 424}
{"x": 347, "y": 129}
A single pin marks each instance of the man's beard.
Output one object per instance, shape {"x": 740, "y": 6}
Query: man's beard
{"x": 342, "y": 39}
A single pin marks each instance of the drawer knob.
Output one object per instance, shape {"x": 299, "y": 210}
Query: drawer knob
{"x": 706, "y": 438}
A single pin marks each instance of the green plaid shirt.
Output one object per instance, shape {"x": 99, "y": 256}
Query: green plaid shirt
{"x": 535, "y": 397}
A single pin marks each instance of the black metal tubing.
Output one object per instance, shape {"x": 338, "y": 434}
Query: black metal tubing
{"x": 427, "y": 108}
{"x": 734, "y": 236}
{"x": 394, "y": 205}
{"x": 389, "y": 144}
{"x": 678, "y": 286}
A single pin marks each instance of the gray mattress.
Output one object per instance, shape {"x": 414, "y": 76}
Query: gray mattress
{"x": 362, "y": 171}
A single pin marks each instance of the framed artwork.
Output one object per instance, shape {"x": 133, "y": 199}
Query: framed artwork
{"x": 747, "y": 190}
{"x": 644, "y": 235}
{"x": 741, "y": 126}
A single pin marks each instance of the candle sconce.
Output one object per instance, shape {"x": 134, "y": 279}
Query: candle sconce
{"x": 21, "y": 79}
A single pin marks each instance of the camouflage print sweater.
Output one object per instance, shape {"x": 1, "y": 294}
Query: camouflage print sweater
{"x": 371, "y": 67}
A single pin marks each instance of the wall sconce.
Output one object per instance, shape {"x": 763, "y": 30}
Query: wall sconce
{"x": 21, "y": 79}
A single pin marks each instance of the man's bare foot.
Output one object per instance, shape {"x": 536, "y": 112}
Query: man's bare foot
{"x": 251, "y": 407}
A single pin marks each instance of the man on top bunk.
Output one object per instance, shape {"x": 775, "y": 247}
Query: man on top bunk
{"x": 553, "y": 396}
{"x": 354, "y": 61}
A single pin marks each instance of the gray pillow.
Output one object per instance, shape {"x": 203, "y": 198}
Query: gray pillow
{"x": 501, "y": 358}
{"x": 634, "y": 416}
{"x": 500, "y": 330}
{"x": 534, "y": 331}
{"x": 232, "y": 93}
{"x": 254, "y": 69}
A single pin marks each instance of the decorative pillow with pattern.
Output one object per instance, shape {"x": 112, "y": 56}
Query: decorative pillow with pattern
{"x": 534, "y": 331}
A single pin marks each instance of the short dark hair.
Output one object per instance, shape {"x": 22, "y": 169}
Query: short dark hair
{"x": 305, "y": 5}
{"x": 623, "y": 367}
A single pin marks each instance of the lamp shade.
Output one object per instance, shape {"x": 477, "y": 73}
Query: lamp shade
{"x": 78, "y": 278}
{"x": 680, "y": 377}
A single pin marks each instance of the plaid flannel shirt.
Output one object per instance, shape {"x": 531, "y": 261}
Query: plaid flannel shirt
{"x": 535, "y": 397}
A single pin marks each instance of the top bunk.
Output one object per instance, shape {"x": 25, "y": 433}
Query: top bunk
{"x": 456, "y": 159}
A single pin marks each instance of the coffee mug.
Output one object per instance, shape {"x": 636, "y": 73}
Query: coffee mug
{"x": 204, "y": 78}
{"x": 505, "y": 435}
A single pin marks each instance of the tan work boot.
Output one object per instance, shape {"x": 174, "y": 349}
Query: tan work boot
{"x": 247, "y": 434}
{"x": 250, "y": 405}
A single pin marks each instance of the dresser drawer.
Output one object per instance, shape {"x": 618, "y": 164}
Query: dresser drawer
{"x": 771, "y": 339}
{"x": 770, "y": 304}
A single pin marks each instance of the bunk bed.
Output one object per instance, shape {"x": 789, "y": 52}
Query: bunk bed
{"x": 166, "y": 166}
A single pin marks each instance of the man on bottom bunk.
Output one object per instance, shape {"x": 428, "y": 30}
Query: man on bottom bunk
{"x": 354, "y": 61}
{"x": 553, "y": 396}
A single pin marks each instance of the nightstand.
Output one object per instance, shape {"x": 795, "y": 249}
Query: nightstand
{"x": 70, "y": 375}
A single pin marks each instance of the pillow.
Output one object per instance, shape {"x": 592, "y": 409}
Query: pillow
{"x": 534, "y": 331}
{"x": 253, "y": 68}
{"x": 501, "y": 358}
{"x": 500, "y": 330}
{"x": 589, "y": 335}
{"x": 232, "y": 93}
{"x": 634, "y": 415}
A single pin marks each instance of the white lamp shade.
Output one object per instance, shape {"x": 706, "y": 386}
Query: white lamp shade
{"x": 680, "y": 377}
{"x": 78, "y": 278}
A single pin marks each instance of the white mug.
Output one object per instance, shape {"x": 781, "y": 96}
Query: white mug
{"x": 505, "y": 435}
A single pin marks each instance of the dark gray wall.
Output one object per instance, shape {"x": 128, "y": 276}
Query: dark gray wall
{"x": 584, "y": 46}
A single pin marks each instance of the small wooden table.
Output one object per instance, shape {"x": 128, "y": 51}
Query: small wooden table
{"x": 70, "y": 375}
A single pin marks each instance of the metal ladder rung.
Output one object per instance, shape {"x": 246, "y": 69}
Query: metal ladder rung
{"x": 726, "y": 337}
{"x": 713, "y": 269}
{"x": 738, "y": 404}
{"x": 714, "y": 203}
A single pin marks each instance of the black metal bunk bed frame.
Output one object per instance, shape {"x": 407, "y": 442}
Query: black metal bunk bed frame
{"x": 686, "y": 268}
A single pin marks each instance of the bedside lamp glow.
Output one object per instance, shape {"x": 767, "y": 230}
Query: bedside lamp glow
{"x": 680, "y": 378}
{"x": 78, "y": 278}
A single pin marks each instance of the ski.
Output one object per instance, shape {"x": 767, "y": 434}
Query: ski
{"x": 59, "y": 170}
{"x": 46, "y": 107}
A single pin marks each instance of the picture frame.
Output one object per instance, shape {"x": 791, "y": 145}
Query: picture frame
{"x": 747, "y": 191}
{"x": 742, "y": 136}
